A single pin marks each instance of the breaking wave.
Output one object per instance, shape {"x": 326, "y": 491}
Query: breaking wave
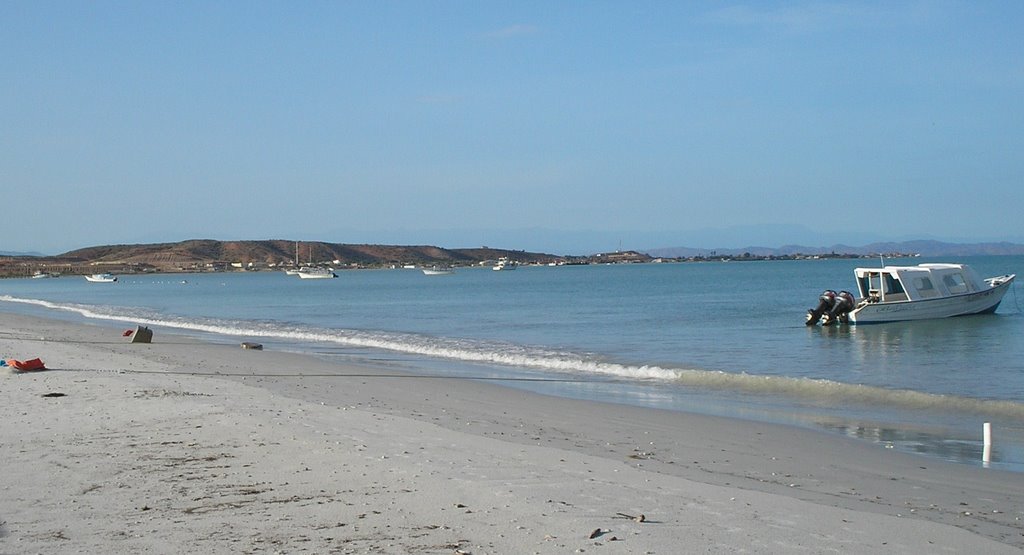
{"x": 818, "y": 391}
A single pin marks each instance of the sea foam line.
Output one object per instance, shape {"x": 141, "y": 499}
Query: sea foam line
{"x": 815, "y": 390}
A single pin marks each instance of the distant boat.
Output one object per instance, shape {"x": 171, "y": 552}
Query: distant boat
{"x": 504, "y": 264}
{"x": 41, "y": 274}
{"x": 316, "y": 273}
{"x": 437, "y": 271}
{"x": 311, "y": 272}
{"x": 294, "y": 271}
{"x": 101, "y": 278}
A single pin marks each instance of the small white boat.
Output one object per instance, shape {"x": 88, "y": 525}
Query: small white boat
{"x": 922, "y": 292}
{"x": 437, "y": 271}
{"x": 41, "y": 274}
{"x": 101, "y": 278}
{"x": 317, "y": 273}
{"x": 504, "y": 264}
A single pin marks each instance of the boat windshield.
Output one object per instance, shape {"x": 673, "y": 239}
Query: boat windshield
{"x": 955, "y": 283}
{"x": 880, "y": 285}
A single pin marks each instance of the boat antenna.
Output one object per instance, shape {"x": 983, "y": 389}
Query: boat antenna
{"x": 882, "y": 258}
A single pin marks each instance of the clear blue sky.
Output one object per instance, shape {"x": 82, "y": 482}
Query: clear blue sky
{"x": 556, "y": 126}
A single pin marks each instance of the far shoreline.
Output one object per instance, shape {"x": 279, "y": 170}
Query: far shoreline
{"x": 207, "y": 255}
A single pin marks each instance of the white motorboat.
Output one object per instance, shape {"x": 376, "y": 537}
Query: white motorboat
{"x": 438, "y": 271}
{"x": 101, "y": 278}
{"x": 922, "y": 292}
{"x": 317, "y": 273}
{"x": 504, "y": 264}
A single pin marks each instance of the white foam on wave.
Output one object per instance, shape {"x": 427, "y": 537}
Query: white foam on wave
{"x": 818, "y": 391}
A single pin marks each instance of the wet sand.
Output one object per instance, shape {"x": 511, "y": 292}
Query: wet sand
{"x": 181, "y": 445}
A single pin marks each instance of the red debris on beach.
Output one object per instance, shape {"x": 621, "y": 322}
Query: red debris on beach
{"x": 26, "y": 365}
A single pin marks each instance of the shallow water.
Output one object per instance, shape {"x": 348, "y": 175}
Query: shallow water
{"x": 722, "y": 338}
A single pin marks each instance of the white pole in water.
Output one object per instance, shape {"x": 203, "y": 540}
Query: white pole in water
{"x": 986, "y": 453}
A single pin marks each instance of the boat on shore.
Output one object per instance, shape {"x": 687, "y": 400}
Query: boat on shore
{"x": 316, "y": 273}
{"x": 904, "y": 293}
{"x": 101, "y": 278}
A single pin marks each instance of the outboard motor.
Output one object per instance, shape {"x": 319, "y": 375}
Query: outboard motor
{"x": 825, "y": 303}
{"x": 840, "y": 312}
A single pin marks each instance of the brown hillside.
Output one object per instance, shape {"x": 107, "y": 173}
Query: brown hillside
{"x": 206, "y": 254}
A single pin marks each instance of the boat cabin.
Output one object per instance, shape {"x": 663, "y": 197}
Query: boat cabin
{"x": 892, "y": 284}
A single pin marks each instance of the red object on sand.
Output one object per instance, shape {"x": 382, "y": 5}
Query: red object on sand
{"x": 127, "y": 333}
{"x": 27, "y": 365}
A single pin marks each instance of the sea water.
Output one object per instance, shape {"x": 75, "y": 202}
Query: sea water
{"x": 723, "y": 338}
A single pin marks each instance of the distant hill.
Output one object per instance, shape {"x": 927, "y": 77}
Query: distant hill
{"x": 207, "y": 254}
{"x": 12, "y": 253}
{"x": 924, "y": 248}
{"x": 284, "y": 252}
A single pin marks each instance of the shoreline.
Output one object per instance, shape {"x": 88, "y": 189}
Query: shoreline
{"x": 144, "y": 454}
{"x": 934, "y": 425}
{"x": 919, "y": 400}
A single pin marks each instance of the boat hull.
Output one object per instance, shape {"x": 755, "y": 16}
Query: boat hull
{"x": 317, "y": 275}
{"x": 980, "y": 302}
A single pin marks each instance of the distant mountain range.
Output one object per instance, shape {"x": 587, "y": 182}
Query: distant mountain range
{"x": 13, "y": 253}
{"x": 923, "y": 248}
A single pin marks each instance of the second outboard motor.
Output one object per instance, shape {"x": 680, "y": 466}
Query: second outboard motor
{"x": 825, "y": 303}
{"x": 840, "y": 311}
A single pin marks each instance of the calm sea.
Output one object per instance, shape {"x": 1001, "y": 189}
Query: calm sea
{"x": 722, "y": 338}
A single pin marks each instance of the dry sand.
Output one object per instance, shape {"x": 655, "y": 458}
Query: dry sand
{"x": 143, "y": 455}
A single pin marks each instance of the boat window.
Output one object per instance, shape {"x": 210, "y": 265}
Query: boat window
{"x": 923, "y": 284}
{"x": 892, "y": 285}
{"x": 925, "y": 288}
{"x": 864, "y": 286}
{"x": 955, "y": 283}
{"x": 870, "y": 285}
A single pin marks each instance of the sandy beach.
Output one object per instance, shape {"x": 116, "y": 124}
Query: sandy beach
{"x": 181, "y": 445}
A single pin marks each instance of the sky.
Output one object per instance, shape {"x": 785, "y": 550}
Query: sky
{"x": 568, "y": 127}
